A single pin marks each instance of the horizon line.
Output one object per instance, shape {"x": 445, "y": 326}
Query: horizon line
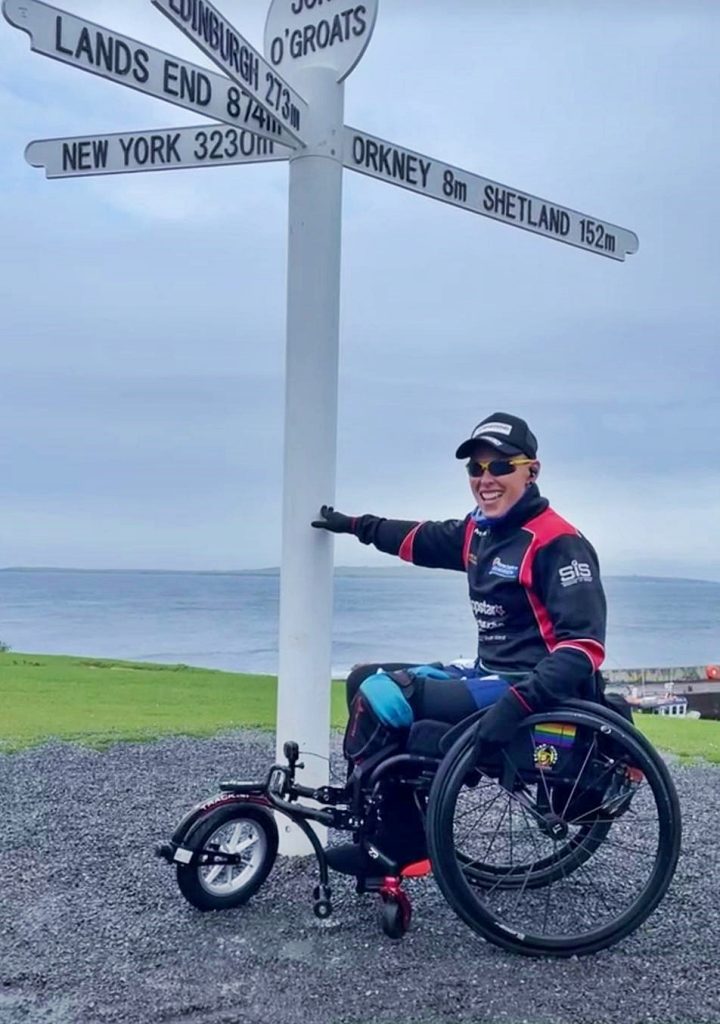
{"x": 275, "y": 569}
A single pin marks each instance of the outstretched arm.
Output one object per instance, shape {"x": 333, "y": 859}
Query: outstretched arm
{"x": 435, "y": 545}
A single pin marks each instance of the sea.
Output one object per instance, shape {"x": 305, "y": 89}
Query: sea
{"x": 229, "y": 620}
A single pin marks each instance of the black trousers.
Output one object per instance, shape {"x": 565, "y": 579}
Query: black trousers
{"x": 445, "y": 700}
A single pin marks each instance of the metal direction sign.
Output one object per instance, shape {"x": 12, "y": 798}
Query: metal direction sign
{"x": 385, "y": 160}
{"x": 318, "y": 33}
{"x": 103, "y": 52}
{"x": 216, "y": 37}
{"x": 160, "y": 149}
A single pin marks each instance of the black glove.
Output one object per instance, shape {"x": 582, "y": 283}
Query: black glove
{"x": 333, "y": 521}
{"x": 498, "y": 726}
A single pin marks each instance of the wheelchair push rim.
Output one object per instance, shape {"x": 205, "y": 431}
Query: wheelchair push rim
{"x": 546, "y": 874}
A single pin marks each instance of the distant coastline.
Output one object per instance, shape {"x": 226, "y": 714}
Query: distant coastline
{"x": 340, "y": 570}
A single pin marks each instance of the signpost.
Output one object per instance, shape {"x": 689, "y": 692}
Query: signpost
{"x": 313, "y": 44}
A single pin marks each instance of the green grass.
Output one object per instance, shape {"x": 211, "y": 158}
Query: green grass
{"x": 95, "y": 702}
{"x": 687, "y": 738}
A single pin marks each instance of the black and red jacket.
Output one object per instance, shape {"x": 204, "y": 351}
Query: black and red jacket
{"x": 534, "y": 586}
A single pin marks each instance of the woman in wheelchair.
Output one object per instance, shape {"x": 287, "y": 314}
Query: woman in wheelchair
{"x": 551, "y": 825}
{"x": 536, "y": 594}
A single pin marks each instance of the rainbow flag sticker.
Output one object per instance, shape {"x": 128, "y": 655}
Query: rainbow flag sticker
{"x": 556, "y": 734}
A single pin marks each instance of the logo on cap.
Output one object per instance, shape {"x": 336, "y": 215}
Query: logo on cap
{"x": 493, "y": 428}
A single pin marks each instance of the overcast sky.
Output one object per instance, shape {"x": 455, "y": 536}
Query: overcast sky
{"x": 142, "y": 316}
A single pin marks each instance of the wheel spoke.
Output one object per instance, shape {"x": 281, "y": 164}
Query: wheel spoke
{"x": 214, "y": 872}
{"x": 245, "y": 844}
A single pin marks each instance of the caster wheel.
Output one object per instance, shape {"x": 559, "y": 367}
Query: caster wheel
{"x": 394, "y": 919}
{"x": 322, "y": 909}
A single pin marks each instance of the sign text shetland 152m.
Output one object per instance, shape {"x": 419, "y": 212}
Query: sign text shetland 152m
{"x": 423, "y": 174}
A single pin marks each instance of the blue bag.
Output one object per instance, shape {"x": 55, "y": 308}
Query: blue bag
{"x": 380, "y": 716}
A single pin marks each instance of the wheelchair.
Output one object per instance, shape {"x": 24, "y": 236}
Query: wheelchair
{"x": 562, "y": 843}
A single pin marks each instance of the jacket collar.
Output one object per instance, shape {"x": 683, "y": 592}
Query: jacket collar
{"x": 530, "y": 505}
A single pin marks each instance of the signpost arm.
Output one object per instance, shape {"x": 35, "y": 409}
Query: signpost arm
{"x": 313, "y": 313}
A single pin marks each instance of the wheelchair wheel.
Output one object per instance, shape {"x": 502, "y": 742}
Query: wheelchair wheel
{"x": 236, "y": 849}
{"x": 566, "y": 844}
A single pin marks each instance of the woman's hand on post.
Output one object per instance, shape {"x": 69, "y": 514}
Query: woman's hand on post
{"x": 333, "y": 521}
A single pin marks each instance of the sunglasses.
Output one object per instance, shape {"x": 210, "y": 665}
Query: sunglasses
{"x": 496, "y": 467}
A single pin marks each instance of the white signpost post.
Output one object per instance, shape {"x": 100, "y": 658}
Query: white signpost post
{"x": 292, "y": 103}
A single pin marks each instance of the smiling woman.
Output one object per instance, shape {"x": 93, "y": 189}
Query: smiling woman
{"x": 541, "y": 638}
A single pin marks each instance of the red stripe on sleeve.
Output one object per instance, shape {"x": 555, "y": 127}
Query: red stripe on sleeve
{"x": 521, "y": 700}
{"x": 469, "y": 530}
{"x": 543, "y": 529}
{"x": 406, "y": 548}
{"x": 543, "y": 620}
{"x": 592, "y": 649}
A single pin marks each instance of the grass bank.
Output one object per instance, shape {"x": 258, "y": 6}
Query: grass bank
{"x": 97, "y": 702}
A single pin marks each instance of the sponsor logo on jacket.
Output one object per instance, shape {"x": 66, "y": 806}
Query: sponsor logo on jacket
{"x": 500, "y": 568}
{"x": 576, "y": 572}
{"x": 486, "y": 608}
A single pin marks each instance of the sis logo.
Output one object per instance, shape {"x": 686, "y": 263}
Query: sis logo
{"x": 576, "y": 572}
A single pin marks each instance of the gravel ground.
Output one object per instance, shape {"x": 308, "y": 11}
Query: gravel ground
{"x": 93, "y": 927}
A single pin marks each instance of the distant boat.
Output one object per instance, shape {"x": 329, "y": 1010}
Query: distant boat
{"x": 650, "y": 700}
{"x": 661, "y": 704}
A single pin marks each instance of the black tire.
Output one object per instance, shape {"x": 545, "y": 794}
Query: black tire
{"x": 392, "y": 919}
{"x": 574, "y": 899}
{"x": 222, "y": 887}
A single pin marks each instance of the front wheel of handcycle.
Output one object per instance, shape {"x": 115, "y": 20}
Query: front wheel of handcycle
{"x": 566, "y": 843}
{"x": 235, "y": 849}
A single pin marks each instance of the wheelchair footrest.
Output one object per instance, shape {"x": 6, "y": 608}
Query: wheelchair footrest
{"x": 420, "y": 869}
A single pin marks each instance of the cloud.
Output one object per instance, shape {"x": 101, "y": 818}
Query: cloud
{"x": 143, "y": 316}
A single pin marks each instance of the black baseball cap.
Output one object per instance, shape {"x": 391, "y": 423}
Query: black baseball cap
{"x": 509, "y": 434}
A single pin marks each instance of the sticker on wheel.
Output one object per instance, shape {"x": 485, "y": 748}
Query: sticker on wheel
{"x": 545, "y": 756}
